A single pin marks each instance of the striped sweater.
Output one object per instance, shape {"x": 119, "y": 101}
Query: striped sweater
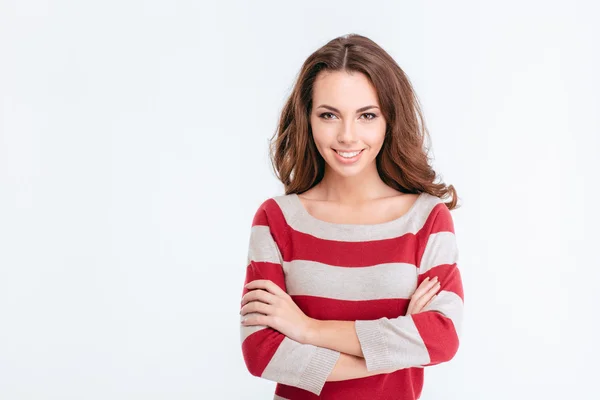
{"x": 355, "y": 272}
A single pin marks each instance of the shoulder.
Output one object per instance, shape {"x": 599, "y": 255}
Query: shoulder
{"x": 429, "y": 214}
{"x": 276, "y": 208}
{"x": 271, "y": 213}
{"x": 438, "y": 215}
{"x": 275, "y": 203}
{"x": 428, "y": 205}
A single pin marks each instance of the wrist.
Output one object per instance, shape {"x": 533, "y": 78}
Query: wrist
{"x": 312, "y": 331}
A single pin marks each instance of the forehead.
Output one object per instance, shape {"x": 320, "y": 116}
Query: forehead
{"x": 343, "y": 89}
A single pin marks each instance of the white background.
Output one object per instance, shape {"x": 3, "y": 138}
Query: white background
{"x": 133, "y": 155}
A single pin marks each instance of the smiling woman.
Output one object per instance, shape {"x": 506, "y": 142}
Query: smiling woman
{"x": 352, "y": 283}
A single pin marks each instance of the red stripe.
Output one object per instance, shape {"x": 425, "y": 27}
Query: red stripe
{"x": 334, "y": 252}
{"x": 323, "y": 308}
{"x": 438, "y": 334}
{"x": 351, "y": 254}
{"x": 405, "y": 383}
{"x": 272, "y": 216}
{"x": 259, "y": 348}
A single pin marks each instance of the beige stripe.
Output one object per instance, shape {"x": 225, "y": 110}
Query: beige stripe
{"x": 301, "y": 365}
{"x": 262, "y": 246}
{"x": 300, "y": 220}
{"x": 441, "y": 249}
{"x": 391, "y": 343}
{"x": 279, "y": 398}
{"x": 381, "y": 281}
{"x": 451, "y": 305}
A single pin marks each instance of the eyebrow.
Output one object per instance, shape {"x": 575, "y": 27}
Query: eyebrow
{"x": 336, "y": 110}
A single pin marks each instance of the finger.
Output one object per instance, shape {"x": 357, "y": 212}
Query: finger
{"x": 435, "y": 288}
{"x": 419, "y": 292}
{"x": 427, "y": 296}
{"x": 267, "y": 285}
{"x": 256, "y": 306}
{"x": 258, "y": 294}
{"x": 420, "y": 296}
{"x": 430, "y": 301}
{"x": 258, "y": 319}
{"x": 424, "y": 283}
{"x": 430, "y": 293}
{"x": 255, "y": 298}
{"x": 424, "y": 307}
{"x": 254, "y": 319}
{"x": 424, "y": 287}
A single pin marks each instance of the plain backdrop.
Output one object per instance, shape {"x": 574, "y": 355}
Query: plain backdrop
{"x": 133, "y": 155}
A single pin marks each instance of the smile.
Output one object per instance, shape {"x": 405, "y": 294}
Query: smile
{"x": 348, "y": 157}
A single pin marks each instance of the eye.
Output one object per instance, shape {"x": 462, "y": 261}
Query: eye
{"x": 373, "y": 116}
{"x": 370, "y": 115}
{"x": 327, "y": 113}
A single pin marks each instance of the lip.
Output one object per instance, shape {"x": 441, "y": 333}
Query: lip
{"x": 352, "y": 160}
{"x": 347, "y": 151}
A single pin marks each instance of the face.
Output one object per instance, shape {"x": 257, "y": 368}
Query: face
{"x": 347, "y": 124}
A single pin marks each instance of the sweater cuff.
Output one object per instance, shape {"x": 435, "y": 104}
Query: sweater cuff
{"x": 318, "y": 369}
{"x": 373, "y": 344}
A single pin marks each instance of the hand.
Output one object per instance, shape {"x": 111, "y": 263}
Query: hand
{"x": 280, "y": 311}
{"x": 423, "y": 296}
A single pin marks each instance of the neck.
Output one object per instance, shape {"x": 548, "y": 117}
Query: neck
{"x": 352, "y": 190}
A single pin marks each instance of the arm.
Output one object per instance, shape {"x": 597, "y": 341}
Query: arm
{"x": 335, "y": 335}
{"x": 268, "y": 353}
{"x": 426, "y": 338}
{"x": 431, "y": 336}
{"x": 352, "y": 367}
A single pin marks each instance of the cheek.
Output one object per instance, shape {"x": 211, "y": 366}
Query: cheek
{"x": 318, "y": 138}
{"x": 320, "y": 141}
{"x": 374, "y": 137}
{"x": 322, "y": 135}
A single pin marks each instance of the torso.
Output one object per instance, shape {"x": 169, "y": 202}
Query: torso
{"x": 377, "y": 211}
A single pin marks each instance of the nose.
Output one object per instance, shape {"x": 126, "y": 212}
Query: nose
{"x": 347, "y": 133}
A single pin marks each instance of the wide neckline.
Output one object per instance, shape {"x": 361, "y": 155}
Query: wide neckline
{"x": 304, "y": 212}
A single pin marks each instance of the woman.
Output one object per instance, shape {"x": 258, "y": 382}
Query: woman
{"x": 352, "y": 283}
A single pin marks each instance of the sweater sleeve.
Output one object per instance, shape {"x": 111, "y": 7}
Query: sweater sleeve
{"x": 431, "y": 336}
{"x": 268, "y": 353}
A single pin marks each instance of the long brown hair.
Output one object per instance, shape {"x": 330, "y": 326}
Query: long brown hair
{"x": 402, "y": 163}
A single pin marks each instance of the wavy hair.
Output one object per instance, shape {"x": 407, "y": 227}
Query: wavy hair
{"x": 402, "y": 162}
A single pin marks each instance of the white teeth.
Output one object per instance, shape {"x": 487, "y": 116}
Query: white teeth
{"x": 348, "y": 155}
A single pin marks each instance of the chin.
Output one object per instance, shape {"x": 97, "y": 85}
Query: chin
{"x": 348, "y": 171}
